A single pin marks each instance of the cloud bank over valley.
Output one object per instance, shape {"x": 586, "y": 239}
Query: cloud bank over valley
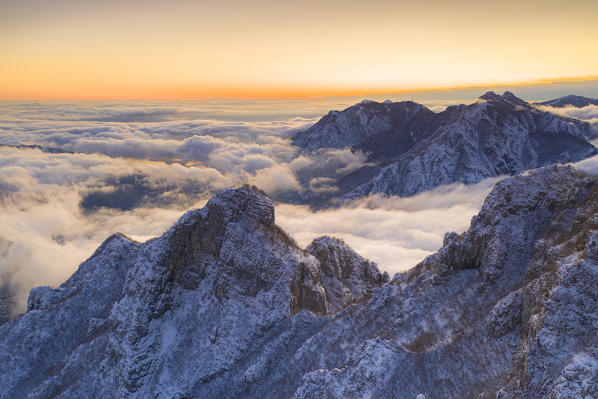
{"x": 73, "y": 174}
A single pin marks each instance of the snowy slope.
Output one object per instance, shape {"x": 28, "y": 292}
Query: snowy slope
{"x": 340, "y": 129}
{"x": 226, "y": 305}
{"x": 507, "y": 309}
{"x": 6, "y": 304}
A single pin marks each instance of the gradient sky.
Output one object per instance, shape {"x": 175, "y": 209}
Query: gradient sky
{"x": 66, "y": 49}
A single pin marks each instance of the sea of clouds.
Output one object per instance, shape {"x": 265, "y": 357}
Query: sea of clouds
{"x": 72, "y": 174}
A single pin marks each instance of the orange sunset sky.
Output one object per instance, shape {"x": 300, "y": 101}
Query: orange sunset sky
{"x": 130, "y": 49}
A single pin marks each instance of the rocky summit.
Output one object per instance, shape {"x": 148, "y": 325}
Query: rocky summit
{"x": 225, "y": 304}
{"x": 181, "y": 315}
{"x": 411, "y": 149}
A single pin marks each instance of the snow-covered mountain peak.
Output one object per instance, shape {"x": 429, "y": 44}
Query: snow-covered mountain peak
{"x": 354, "y": 125}
{"x": 186, "y": 307}
{"x": 490, "y": 96}
{"x": 341, "y": 264}
{"x": 246, "y": 202}
{"x": 513, "y": 99}
{"x": 506, "y": 98}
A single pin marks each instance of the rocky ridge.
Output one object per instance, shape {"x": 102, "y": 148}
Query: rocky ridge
{"x": 571, "y": 101}
{"x": 508, "y": 309}
{"x": 226, "y": 305}
{"x": 412, "y": 149}
{"x": 356, "y": 124}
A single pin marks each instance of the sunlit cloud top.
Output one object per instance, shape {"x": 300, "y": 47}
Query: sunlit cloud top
{"x": 67, "y": 49}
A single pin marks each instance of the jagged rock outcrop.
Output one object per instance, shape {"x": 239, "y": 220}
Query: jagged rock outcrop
{"x": 508, "y": 309}
{"x": 412, "y": 149}
{"x": 345, "y": 276}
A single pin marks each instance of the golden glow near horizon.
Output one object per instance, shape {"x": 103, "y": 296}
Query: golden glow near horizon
{"x": 65, "y": 49}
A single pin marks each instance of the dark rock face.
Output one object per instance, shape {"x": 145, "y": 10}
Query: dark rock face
{"x": 307, "y": 291}
{"x": 341, "y": 278}
{"x": 198, "y": 239}
{"x": 226, "y": 305}
{"x": 506, "y": 314}
{"x": 346, "y": 276}
{"x": 412, "y": 149}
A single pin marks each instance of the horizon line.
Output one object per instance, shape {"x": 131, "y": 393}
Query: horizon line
{"x": 190, "y": 94}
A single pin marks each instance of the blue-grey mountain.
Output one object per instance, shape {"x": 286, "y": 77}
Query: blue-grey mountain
{"x": 570, "y": 101}
{"x": 412, "y": 149}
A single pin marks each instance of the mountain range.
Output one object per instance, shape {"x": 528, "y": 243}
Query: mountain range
{"x": 225, "y": 304}
{"x": 571, "y": 101}
{"x": 411, "y": 149}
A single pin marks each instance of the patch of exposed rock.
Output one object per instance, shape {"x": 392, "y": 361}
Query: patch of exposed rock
{"x": 341, "y": 278}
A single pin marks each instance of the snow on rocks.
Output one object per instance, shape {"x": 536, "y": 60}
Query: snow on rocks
{"x": 139, "y": 320}
{"x": 225, "y": 304}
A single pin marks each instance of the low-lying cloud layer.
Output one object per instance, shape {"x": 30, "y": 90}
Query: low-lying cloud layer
{"x": 72, "y": 175}
{"x": 395, "y": 232}
{"x": 588, "y": 113}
